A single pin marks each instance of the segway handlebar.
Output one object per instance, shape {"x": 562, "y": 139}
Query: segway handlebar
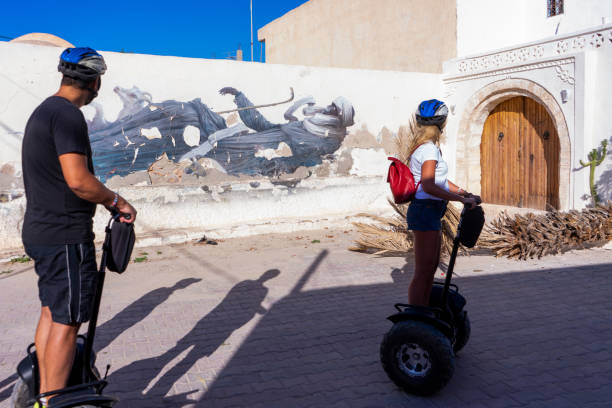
{"x": 467, "y": 207}
{"x": 116, "y": 215}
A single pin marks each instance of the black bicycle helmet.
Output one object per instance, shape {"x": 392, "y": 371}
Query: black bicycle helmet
{"x": 432, "y": 113}
{"x": 82, "y": 63}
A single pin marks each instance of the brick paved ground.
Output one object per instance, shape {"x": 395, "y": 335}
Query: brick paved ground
{"x": 278, "y": 321}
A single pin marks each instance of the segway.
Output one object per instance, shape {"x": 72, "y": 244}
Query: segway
{"x": 418, "y": 353}
{"x": 85, "y": 385}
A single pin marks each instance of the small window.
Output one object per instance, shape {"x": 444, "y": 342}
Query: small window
{"x": 555, "y": 7}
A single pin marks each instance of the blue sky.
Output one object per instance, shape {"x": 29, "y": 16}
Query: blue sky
{"x": 202, "y": 29}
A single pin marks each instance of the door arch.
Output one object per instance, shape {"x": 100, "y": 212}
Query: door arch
{"x": 519, "y": 156}
{"x": 476, "y": 110}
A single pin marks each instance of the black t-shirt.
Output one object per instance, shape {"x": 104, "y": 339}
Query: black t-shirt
{"x": 54, "y": 214}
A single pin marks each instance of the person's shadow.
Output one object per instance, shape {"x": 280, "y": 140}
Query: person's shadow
{"x": 238, "y": 307}
{"x": 126, "y": 318}
{"x": 136, "y": 312}
{"x": 6, "y": 386}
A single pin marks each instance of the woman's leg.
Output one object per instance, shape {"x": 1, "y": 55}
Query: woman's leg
{"x": 427, "y": 256}
{"x": 439, "y": 246}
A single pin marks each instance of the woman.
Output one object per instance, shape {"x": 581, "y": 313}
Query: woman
{"x": 433, "y": 193}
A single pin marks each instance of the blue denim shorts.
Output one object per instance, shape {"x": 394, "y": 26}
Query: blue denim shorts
{"x": 425, "y": 214}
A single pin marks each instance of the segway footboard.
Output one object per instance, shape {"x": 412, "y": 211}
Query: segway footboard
{"x": 82, "y": 395}
{"x": 27, "y": 369}
{"x": 422, "y": 314}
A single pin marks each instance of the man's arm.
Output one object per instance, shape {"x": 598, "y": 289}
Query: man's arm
{"x": 86, "y": 186}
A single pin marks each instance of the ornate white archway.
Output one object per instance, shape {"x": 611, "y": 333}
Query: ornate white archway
{"x": 477, "y": 110}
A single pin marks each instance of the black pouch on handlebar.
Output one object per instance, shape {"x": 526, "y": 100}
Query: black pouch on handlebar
{"x": 120, "y": 245}
{"x": 472, "y": 222}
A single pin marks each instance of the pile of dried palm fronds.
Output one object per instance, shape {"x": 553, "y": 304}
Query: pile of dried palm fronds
{"x": 530, "y": 235}
{"x": 390, "y": 236}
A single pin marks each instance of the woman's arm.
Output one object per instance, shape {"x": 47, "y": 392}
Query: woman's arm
{"x": 428, "y": 177}
{"x": 456, "y": 189}
{"x": 462, "y": 192}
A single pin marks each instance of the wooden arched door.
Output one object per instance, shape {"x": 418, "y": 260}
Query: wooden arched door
{"x": 519, "y": 156}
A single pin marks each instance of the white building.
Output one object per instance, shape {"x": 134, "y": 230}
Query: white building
{"x": 541, "y": 80}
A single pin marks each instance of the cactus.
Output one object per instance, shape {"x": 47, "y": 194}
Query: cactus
{"x": 595, "y": 159}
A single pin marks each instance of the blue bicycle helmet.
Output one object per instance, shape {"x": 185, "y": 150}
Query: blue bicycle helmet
{"x": 82, "y": 63}
{"x": 432, "y": 113}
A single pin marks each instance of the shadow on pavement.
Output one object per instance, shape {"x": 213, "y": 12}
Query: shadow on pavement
{"x": 136, "y": 312}
{"x": 6, "y": 387}
{"x": 240, "y": 305}
{"x": 535, "y": 335}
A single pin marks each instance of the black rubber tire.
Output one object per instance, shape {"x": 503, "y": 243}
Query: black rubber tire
{"x": 429, "y": 339}
{"x": 464, "y": 329}
{"x": 20, "y": 395}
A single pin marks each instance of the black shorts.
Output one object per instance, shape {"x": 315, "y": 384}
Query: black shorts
{"x": 67, "y": 276}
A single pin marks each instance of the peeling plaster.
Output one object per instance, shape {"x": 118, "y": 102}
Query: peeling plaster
{"x": 368, "y": 162}
{"x": 283, "y": 150}
{"x": 191, "y": 136}
{"x": 361, "y": 138}
{"x": 152, "y": 133}
{"x": 232, "y": 119}
{"x": 345, "y": 163}
{"x": 323, "y": 170}
{"x": 387, "y": 141}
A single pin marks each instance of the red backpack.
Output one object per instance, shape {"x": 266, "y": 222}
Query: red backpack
{"x": 401, "y": 181}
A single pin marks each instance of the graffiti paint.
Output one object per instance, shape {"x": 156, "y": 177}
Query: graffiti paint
{"x": 187, "y": 131}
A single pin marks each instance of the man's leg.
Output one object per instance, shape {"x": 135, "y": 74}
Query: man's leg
{"x": 59, "y": 355}
{"x": 40, "y": 340}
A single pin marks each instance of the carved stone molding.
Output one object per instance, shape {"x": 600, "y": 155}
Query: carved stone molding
{"x": 550, "y": 48}
{"x": 449, "y": 91}
{"x": 520, "y": 68}
{"x": 564, "y": 75}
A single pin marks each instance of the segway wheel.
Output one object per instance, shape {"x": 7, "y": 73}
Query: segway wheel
{"x": 464, "y": 329}
{"x": 417, "y": 357}
{"x": 20, "y": 397}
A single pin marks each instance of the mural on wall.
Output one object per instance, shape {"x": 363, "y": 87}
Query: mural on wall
{"x": 145, "y": 132}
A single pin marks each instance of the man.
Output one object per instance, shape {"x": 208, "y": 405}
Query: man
{"x": 62, "y": 193}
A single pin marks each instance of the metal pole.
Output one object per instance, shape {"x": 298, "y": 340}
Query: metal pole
{"x": 251, "y": 30}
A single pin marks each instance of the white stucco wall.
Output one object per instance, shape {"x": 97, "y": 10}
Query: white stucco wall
{"x": 600, "y": 119}
{"x": 382, "y": 99}
{"x": 484, "y": 25}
